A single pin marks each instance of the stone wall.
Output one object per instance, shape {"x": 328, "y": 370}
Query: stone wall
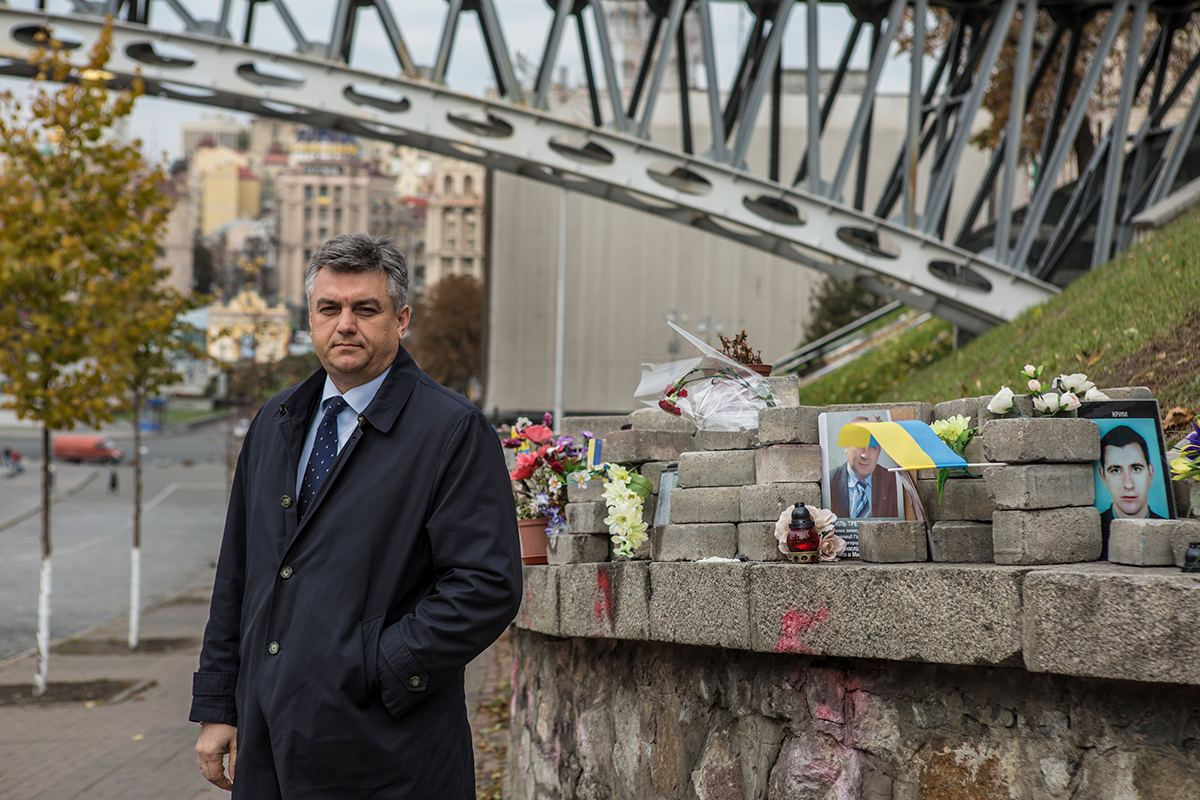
{"x": 988, "y": 656}
{"x": 600, "y": 718}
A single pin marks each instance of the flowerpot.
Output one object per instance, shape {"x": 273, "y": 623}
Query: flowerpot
{"x": 761, "y": 369}
{"x": 533, "y": 539}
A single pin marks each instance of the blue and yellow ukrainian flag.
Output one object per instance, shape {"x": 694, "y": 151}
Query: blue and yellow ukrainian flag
{"x": 911, "y": 443}
{"x": 593, "y": 453}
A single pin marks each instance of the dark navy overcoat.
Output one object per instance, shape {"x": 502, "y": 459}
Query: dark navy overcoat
{"x": 337, "y": 644}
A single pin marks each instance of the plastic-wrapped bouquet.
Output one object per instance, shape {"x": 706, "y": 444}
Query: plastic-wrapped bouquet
{"x": 714, "y": 392}
{"x": 544, "y": 465}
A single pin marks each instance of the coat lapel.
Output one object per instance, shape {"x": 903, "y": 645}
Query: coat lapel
{"x": 380, "y": 414}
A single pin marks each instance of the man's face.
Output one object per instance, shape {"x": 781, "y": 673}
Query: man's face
{"x": 1127, "y": 477}
{"x": 355, "y": 330}
{"x": 862, "y": 460}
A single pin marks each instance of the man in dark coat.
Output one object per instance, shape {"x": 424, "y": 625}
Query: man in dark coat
{"x": 370, "y": 552}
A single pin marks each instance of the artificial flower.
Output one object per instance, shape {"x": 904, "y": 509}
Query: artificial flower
{"x": 1048, "y": 403}
{"x": 1095, "y": 394}
{"x": 537, "y": 433}
{"x": 948, "y": 430}
{"x": 1069, "y": 401}
{"x": 822, "y": 518}
{"x": 831, "y": 546}
{"x": 1187, "y": 464}
{"x": 1035, "y": 385}
{"x": 1002, "y": 403}
{"x": 1076, "y": 382}
{"x": 670, "y": 408}
{"x": 522, "y": 422}
{"x": 1031, "y": 371}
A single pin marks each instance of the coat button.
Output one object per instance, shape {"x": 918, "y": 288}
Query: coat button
{"x": 285, "y": 573}
{"x": 285, "y": 501}
{"x": 273, "y": 648}
{"x": 414, "y": 681}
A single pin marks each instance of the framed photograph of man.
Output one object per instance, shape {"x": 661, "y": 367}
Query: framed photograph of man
{"x": 856, "y": 482}
{"x": 1131, "y": 475}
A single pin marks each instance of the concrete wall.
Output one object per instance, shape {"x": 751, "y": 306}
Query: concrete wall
{"x": 627, "y": 270}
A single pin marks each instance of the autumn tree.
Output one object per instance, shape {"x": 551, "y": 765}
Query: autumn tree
{"x": 998, "y": 96}
{"x": 447, "y": 333}
{"x": 79, "y": 216}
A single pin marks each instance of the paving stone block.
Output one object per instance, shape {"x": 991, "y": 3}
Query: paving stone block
{"x": 1141, "y": 542}
{"x": 1107, "y": 621}
{"x": 1031, "y": 486}
{"x": 920, "y": 411}
{"x": 882, "y": 541}
{"x": 1023, "y": 403}
{"x": 756, "y": 542}
{"x": 599, "y": 426}
{"x": 1129, "y": 393}
{"x": 1185, "y": 532}
{"x": 962, "y": 499}
{"x": 726, "y": 440}
{"x": 639, "y": 446}
{"x": 966, "y": 406}
{"x": 1049, "y": 536}
{"x": 700, "y": 604}
{"x": 716, "y": 468}
{"x": 788, "y": 463}
{"x": 591, "y": 492}
{"x": 1187, "y": 498}
{"x": 587, "y": 517}
{"x": 961, "y": 614}
{"x": 610, "y": 601}
{"x": 786, "y": 389}
{"x": 764, "y": 502}
{"x": 693, "y": 542}
{"x": 962, "y": 542}
{"x": 789, "y": 425}
{"x": 655, "y": 419}
{"x": 539, "y": 600}
{"x": 652, "y": 471}
{"x": 974, "y": 452}
{"x": 710, "y": 504}
{"x": 577, "y": 548}
{"x": 1037, "y": 439}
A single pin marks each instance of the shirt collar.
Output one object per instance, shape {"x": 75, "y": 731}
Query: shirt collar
{"x": 359, "y": 397}
{"x": 854, "y": 480}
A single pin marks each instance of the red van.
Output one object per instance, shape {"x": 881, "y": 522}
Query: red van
{"x": 79, "y": 447}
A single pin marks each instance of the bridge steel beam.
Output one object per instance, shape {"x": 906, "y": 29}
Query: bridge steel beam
{"x": 891, "y": 259}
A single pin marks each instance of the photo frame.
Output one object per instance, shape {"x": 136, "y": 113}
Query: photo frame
{"x": 886, "y": 498}
{"x": 1130, "y": 433}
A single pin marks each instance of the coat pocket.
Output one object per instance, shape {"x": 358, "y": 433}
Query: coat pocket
{"x": 370, "y": 655}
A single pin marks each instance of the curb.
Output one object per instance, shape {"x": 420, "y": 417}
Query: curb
{"x": 63, "y": 495}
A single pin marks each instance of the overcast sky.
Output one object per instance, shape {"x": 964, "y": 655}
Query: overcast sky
{"x": 525, "y": 24}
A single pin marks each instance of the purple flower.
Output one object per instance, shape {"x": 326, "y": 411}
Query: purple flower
{"x": 564, "y": 440}
{"x": 547, "y": 419}
{"x": 587, "y": 435}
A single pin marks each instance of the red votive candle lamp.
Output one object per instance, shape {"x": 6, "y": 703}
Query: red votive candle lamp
{"x": 803, "y": 541}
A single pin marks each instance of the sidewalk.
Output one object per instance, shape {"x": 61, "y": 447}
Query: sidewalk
{"x": 21, "y": 495}
{"x": 140, "y": 745}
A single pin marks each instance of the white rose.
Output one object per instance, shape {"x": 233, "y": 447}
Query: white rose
{"x": 1047, "y": 403}
{"x": 1095, "y": 394}
{"x": 1035, "y": 385}
{"x": 1030, "y": 370}
{"x": 1002, "y": 403}
{"x": 1075, "y": 382}
{"x": 1070, "y": 401}
{"x": 823, "y": 518}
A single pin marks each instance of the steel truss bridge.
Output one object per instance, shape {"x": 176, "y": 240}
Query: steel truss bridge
{"x": 981, "y": 276}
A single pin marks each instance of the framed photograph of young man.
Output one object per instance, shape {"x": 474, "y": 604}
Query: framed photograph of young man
{"x": 856, "y": 482}
{"x": 1131, "y": 475}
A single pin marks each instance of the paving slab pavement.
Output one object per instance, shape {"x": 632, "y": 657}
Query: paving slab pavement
{"x": 141, "y": 746}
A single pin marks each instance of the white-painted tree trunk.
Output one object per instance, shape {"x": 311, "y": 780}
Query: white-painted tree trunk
{"x": 43, "y": 629}
{"x": 135, "y": 594}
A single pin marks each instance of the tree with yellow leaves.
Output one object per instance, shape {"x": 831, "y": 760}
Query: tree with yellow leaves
{"x": 80, "y": 218}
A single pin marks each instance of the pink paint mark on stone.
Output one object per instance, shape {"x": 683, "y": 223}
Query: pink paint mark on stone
{"x": 605, "y": 603}
{"x": 512, "y": 681}
{"x": 793, "y": 625}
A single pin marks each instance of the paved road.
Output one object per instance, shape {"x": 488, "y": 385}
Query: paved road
{"x": 91, "y": 533}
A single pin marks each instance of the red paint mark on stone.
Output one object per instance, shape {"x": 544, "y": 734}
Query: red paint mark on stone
{"x": 604, "y": 596}
{"x": 823, "y": 770}
{"x": 792, "y": 625}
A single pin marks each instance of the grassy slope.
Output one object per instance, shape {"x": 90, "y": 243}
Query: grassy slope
{"x": 1134, "y": 321}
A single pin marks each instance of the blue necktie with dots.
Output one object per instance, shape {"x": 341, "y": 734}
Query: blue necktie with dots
{"x": 325, "y": 450}
{"x": 862, "y": 503}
